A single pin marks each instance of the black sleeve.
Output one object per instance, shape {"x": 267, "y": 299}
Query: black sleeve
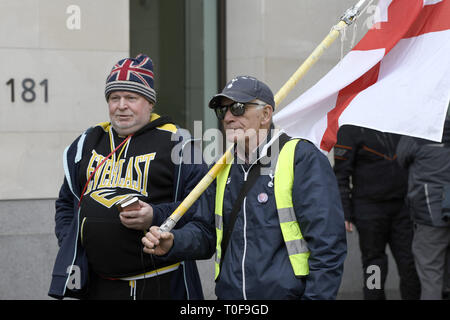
{"x": 406, "y": 149}
{"x": 344, "y": 160}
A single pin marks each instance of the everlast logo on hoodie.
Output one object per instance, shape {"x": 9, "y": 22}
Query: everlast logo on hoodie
{"x": 130, "y": 173}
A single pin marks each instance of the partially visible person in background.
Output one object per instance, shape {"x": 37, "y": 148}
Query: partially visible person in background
{"x": 373, "y": 188}
{"x": 428, "y": 163}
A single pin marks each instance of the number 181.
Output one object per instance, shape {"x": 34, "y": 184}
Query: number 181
{"x": 28, "y": 93}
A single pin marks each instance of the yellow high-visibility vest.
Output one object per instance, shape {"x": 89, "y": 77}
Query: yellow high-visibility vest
{"x": 297, "y": 247}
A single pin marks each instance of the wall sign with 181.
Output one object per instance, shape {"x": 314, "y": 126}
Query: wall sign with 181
{"x": 29, "y": 91}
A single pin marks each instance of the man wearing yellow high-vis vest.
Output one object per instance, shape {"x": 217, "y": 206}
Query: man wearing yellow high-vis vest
{"x": 273, "y": 217}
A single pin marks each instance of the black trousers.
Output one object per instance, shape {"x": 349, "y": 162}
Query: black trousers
{"x": 378, "y": 225}
{"x": 154, "y": 288}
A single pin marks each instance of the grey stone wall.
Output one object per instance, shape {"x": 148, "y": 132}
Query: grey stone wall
{"x": 27, "y": 248}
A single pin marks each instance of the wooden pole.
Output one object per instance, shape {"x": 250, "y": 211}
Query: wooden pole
{"x": 348, "y": 18}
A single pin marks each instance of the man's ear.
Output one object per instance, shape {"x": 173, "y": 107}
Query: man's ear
{"x": 266, "y": 115}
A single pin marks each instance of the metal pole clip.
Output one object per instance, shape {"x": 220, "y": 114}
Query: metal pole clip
{"x": 353, "y": 13}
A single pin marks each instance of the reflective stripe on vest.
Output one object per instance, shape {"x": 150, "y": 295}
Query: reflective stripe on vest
{"x": 221, "y": 181}
{"x": 284, "y": 178}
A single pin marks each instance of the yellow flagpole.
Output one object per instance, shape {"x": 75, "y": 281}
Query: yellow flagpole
{"x": 347, "y": 19}
{"x": 309, "y": 62}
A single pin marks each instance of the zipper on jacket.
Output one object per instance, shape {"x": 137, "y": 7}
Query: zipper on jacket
{"x": 245, "y": 230}
{"x": 245, "y": 240}
{"x": 245, "y": 221}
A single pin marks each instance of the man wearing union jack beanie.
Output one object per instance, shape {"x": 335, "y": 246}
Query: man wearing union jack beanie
{"x": 130, "y": 156}
{"x": 135, "y": 75}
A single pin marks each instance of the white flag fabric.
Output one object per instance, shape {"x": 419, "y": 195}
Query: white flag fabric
{"x": 396, "y": 79}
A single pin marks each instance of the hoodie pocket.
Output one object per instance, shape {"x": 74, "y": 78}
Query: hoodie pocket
{"x": 112, "y": 249}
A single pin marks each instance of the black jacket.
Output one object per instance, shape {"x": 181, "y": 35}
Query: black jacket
{"x": 429, "y": 173}
{"x": 256, "y": 263}
{"x": 366, "y": 167}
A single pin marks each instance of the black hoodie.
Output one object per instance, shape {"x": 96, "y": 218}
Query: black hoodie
{"x": 143, "y": 168}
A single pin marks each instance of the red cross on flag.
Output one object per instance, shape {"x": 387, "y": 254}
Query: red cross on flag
{"x": 396, "y": 79}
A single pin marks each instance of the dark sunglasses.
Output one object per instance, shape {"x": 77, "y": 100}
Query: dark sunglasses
{"x": 237, "y": 109}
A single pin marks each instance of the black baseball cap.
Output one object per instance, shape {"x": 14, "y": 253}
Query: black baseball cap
{"x": 244, "y": 89}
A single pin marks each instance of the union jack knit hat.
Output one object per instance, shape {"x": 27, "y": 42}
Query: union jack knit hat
{"x": 134, "y": 75}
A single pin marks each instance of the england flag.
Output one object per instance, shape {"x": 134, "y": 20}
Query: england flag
{"x": 396, "y": 79}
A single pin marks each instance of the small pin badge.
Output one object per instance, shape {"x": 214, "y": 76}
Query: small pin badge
{"x": 263, "y": 197}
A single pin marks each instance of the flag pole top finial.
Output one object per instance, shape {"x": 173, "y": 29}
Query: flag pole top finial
{"x": 352, "y": 14}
